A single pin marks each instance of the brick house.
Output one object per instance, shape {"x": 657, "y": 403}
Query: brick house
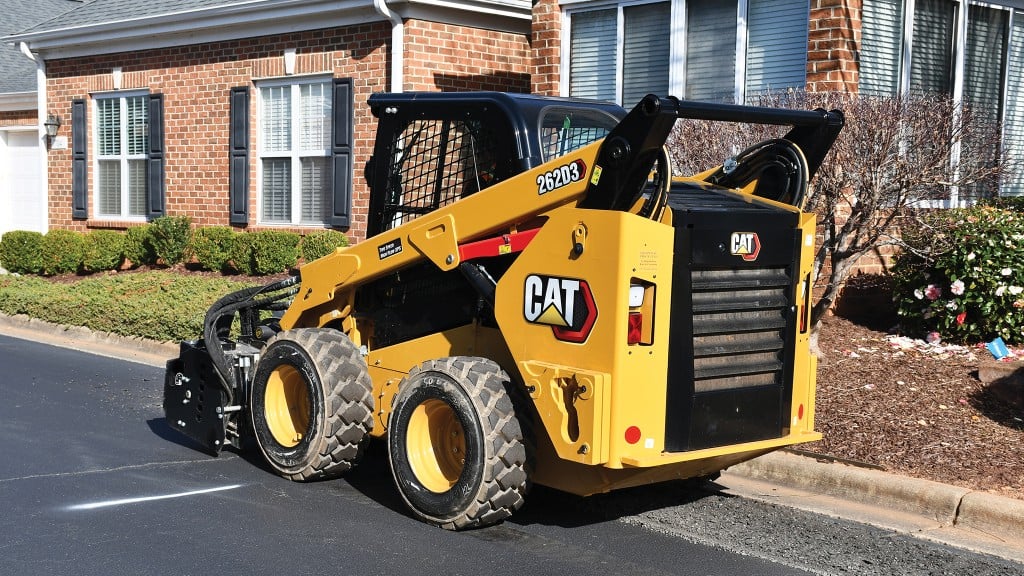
{"x": 22, "y": 195}
{"x": 228, "y": 111}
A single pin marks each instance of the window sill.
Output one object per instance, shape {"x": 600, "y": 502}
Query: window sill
{"x": 111, "y": 224}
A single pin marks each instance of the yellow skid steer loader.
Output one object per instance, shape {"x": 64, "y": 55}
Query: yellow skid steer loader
{"x": 539, "y": 301}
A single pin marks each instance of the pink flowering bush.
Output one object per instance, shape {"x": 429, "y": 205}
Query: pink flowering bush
{"x": 961, "y": 275}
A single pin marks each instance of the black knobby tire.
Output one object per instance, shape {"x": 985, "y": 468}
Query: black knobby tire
{"x": 459, "y": 406}
{"x": 311, "y": 383}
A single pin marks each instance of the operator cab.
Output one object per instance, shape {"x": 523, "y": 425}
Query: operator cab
{"x": 435, "y": 148}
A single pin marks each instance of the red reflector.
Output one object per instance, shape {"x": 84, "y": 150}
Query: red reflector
{"x": 800, "y": 412}
{"x": 636, "y": 328}
{"x": 632, "y": 434}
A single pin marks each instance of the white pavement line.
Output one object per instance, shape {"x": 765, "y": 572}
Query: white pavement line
{"x": 124, "y": 501}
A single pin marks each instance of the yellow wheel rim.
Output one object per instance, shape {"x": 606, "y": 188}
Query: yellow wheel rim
{"x": 287, "y": 406}
{"x": 436, "y": 446}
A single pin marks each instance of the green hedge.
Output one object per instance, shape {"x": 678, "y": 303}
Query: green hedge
{"x": 211, "y": 247}
{"x": 20, "y": 252}
{"x": 265, "y": 252}
{"x": 104, "y": 250}
{"x": 62, "y": 252}
{"x": 322, "y": 243}
{"x": 138, "y": 245}
{"x": 170, "y": 237}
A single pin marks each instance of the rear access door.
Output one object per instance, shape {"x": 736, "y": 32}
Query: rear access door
{"x": 733, "y": 320}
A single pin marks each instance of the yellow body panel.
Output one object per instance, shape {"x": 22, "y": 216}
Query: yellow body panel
{"x": 600, "y": 404}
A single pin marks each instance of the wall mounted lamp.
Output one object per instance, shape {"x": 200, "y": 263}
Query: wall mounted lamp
{"x": 51, "y": 125}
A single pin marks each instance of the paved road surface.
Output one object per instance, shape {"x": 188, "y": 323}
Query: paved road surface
{"x": 93, "y": 482}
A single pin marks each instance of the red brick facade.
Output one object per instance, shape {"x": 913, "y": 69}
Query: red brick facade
{"x": 547, "y": 47}
{"x": 18, "y": 118}
{"x": 832, "y": 46}
{"x": 196, "y": 81}
{"x": 452, "y": 58}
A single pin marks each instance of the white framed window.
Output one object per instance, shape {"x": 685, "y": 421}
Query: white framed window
{"x": 970, "y": 51}
{"x": 714, "y": 50}
{"x": 294, "y": 143}
{"x": 121, "y": 136}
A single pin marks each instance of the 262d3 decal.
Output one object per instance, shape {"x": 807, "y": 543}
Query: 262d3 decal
{"x": 561, "y": 176}
{"x": 565, "y": 304}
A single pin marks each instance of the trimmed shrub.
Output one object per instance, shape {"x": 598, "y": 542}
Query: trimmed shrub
{"x": 138, "y": 245}
{"x": 62, "y": 252}
{"x": 104, "y": 250}
{"x": 265, "y": 252}
{"x": 170, "y": 235}
{"x": 211, "y": 246}
{"x": 963, "y": 275}
{"x": 322, "y": 243}
{"x": 241, "y": 253}
{"x": 21, "y": 252}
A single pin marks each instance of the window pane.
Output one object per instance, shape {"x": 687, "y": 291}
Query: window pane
{"x": 881, "y": 47}
{"x": 776, "y": 45}
{"x": 984, "y": 58}
{"x": 711, "y": 50}
{"x": 136, "y": 188}
{"x": 563, "y": 130}
{"x": 108, "y": 187}
{"x": 137, "y": 126}
{"x": 1014, "y": 131}
{"x": 645, "y": 51}
{"x": 316, "y": 179}
{"x": 277, "y": 190}
{"x": 316, "y": 116}
{"x": 275, "y": 125}
{"x": 108, "y": 126}
{"x": 592, "y": 58}
{"x": 932, "y": 55}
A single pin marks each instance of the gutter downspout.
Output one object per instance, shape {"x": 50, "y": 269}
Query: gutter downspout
{"x": 397, "y": 44}
{"x": 41, "y": 108}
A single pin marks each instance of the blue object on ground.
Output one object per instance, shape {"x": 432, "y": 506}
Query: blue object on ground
{"x": 998, "y": 348}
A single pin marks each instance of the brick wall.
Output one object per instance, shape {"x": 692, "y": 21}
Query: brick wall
{"x": 18, "y": 118}
{"x": 448, "y": 58}
{"x": 196, "y": 82}
{"x": 546, "y": 43}
{"x": 832, "y": 47}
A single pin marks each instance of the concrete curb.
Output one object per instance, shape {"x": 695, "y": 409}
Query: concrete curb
{"x": 81, "y": 338}
{"x": 947, "y": 505}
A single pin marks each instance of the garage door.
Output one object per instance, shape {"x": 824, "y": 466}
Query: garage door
{"x": 22, "y": 197}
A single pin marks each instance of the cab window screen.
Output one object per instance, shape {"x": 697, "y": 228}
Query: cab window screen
{"x": 563, "y": 130}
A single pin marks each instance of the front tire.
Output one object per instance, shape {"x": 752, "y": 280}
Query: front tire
{"x": 456, "y": 445}
{"x": 312, "y": 404}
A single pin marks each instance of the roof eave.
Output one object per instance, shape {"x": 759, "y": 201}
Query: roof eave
{"x": 258, "y": 18}
{"x": 18, "y": 101}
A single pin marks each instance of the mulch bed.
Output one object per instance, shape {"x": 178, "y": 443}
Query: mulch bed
{"x": 915, "y": 409}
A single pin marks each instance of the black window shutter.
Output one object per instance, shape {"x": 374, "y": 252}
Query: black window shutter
{"x": 155, "y": 187}
{"x": 239, "y": 151}
{"x": 341, "y": 153}
{"x": 79, "y": 162}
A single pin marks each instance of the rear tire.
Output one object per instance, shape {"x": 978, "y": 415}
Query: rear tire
{"x": 456, "y": 445}
{"x": 312, "y": 404}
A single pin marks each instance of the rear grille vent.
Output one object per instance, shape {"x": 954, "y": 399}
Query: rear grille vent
{"x": 738, "y": 322}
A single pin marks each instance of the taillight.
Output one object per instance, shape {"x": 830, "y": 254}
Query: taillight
{"x": 636, "y": 328}
{"x": 640, "y": 325}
